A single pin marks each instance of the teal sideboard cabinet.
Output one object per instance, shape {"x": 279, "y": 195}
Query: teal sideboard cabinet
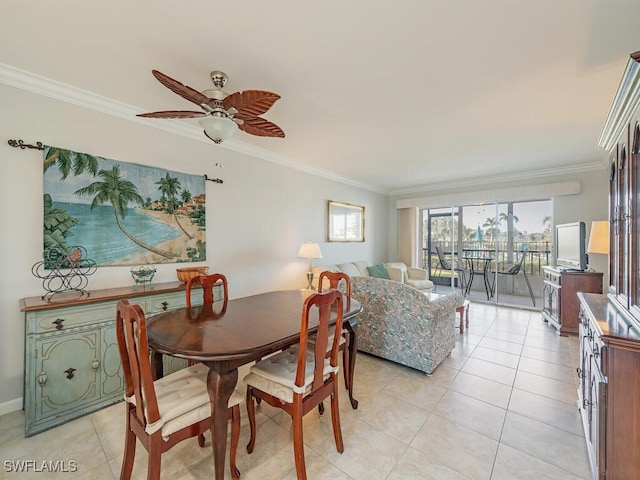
{"x": 72, "y": 366}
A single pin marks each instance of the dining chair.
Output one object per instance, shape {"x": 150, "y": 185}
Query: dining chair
{"x": 333, "y": 280}
{"x": 445, "y": 264}
{"x": 297, "y": 382}
{"x": 516, "y": 269}
{"x": 208, "y": 283}
{"x": 163, "y": 413}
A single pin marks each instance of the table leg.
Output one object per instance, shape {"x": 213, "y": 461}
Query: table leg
{"x": 220, "y": 386}
{"x": 352, "y": 326}
{"x": 157, "y": 368}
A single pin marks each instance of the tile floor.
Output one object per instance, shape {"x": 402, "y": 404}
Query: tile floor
{"x": 501, "y": 407}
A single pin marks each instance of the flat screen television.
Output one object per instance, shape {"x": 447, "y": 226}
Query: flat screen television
{"x": 571, "y": 252}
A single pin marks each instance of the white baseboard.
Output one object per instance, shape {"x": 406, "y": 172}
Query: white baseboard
{"x": 11, "y": 406}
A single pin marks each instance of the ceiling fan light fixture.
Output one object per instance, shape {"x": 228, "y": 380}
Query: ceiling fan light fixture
{"x": 218, "y": 128}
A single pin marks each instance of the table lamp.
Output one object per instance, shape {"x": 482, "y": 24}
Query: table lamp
{"x": 310, "y": 250}
{"x": 599, "y": 238}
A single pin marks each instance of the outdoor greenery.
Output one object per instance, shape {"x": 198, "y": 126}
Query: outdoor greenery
{"x": 497, "y": 234}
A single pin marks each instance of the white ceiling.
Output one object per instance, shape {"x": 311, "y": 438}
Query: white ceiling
{"x": 395, "y": 96}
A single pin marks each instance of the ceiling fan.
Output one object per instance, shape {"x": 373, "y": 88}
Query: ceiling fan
{"x": 222, "y": 114}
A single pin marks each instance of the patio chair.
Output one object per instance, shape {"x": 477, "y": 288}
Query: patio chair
{"x": 445, "y": 264}
{"x": 516, "y": 269}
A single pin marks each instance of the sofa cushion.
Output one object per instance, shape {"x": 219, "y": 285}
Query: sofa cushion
{"x": 378, "y": 271}
{"x": 420, "y": 284}
{"x": 350, "y": 269}
{"x": 363, "y": 266}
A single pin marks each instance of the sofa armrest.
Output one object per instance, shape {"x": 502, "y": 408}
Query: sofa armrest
{"x": 448, "y": 301}
{"x": 417, "y": 273}
{"x": 395, "y": 274}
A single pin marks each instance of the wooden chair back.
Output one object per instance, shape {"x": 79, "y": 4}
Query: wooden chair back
{"x": 334, "y": 279}
{"x": 131, "y": 333}
{"x": 305, "y": 394}
{"x": 144, "y": 419}
{"x": 326, "y": 303}
{"x": 208, "y": 283}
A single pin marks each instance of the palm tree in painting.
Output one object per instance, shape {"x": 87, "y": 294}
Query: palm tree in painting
{"x": 170, "y": 187}
{"x": 69, "y": 162}
{"x": 119, "y": 193}
{"x": 185, "y": 195}
{"x": 57, "y": 225}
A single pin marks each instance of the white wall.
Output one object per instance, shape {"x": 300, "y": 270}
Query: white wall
{"x": 256, "y": 220}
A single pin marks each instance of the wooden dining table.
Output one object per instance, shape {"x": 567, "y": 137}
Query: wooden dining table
{"x": 227, "y": 335}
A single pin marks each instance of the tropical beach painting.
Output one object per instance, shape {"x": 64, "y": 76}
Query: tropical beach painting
{"x": 122, "y": 213}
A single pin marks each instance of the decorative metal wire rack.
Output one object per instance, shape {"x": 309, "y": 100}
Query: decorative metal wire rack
{"x": 64, "y": 270}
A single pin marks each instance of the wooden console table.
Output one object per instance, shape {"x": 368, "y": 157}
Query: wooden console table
{"x": 72, "y": 365}
{"x": 559, "y": 294}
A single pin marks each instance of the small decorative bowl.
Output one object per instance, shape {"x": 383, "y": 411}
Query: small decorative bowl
{"x": 142, "y": 275}
{"x": 187, "y": 273}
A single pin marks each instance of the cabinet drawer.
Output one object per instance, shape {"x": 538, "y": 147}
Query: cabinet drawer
{"x": 552, "y": 277}
{"x": 43, "y": 321}
{"x": 162, "y": 303}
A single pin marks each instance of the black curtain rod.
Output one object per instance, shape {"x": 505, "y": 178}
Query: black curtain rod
{"x": 40, "y": 146}
{"x": 22, "y": 145}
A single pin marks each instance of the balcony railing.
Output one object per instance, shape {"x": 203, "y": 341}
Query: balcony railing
{"x": 537, "y": 253}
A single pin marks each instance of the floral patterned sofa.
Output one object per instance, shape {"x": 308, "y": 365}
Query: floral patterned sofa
{"x": 400, "y": 324}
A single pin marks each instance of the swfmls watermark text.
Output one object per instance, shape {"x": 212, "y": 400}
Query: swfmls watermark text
{"x": 40, "y": 466}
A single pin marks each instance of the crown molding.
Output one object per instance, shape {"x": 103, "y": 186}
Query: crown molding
{"x": 625, "y": 102}
{"x": 47, "y": 87}
{"x": 504, "y": 178}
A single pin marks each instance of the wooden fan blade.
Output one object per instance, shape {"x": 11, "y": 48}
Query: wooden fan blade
{"x": 260, "y": 127}
{"x": 181, "y": 89}
{"x": 172, "y": 114}
{"x": 250, "y": 103}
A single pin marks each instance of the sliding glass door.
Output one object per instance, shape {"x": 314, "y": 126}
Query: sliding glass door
{"x": 493, "y": 252}
{"x": 440, "y": 246}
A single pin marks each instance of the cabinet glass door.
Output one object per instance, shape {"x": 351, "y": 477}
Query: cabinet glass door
{"x": 634, "y": 233}
{"x": 615, "y": 273}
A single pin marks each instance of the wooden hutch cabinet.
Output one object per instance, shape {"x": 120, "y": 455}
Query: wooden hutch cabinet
{"x": 609, "y": 332}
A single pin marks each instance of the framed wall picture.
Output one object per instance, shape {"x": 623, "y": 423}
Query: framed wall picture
{"x": 345, "y": 222}
{"x": 122, "y": 213}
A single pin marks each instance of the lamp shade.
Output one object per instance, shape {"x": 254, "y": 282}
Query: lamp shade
{"x": 309, "y": 250}
{"x": 599, "y": 237}
{"x": 218, "y": 128}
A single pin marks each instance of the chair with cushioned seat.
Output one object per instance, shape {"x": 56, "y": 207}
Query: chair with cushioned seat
{"x": 417, "y": 278}
{"x": 327, "y": 281}
{"x": 163, "y": 413}
{"x": 208, "y": 283}
{"x": 298, "y": 381}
